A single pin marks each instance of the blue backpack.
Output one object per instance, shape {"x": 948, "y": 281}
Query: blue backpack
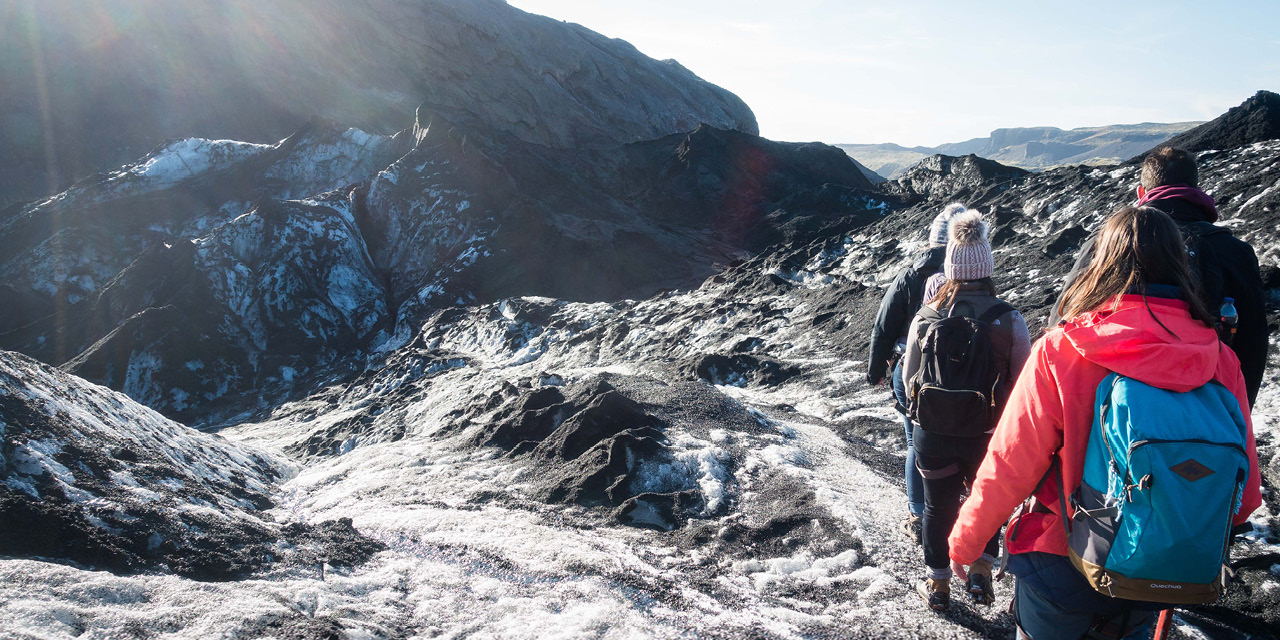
{"x": 1164, "y": 474}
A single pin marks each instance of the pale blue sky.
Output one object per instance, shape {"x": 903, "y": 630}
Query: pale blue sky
{"x": 925, "y": 73}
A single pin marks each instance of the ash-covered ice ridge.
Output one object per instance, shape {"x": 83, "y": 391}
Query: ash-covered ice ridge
{"x": 93, "y": 479}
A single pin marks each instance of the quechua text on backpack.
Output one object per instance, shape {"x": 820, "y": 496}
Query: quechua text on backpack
{"x": 1164, "y": 475}
{"x": 958, "y": 390}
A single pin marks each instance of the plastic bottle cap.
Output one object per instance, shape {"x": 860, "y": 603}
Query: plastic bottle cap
{"x": 1230, "y": 300}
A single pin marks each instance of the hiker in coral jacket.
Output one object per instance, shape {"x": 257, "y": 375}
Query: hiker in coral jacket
{"x": 1133, "y": 311}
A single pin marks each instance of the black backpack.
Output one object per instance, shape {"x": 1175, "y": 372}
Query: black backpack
{"x": 1205, "y": 265}
{"x": 958, "y": 390}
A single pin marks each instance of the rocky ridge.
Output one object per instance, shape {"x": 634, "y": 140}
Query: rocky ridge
{"x": 104, "y": 98}
{"x": 1255, "y": 120}
{"x": 282, "y": 258}
{"x": 940, "y": 175}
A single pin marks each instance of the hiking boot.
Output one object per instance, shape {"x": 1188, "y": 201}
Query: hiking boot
{"x": 935, "y": 593}
{"x": 911, "y": 527}
{"x": 979, "y": 583}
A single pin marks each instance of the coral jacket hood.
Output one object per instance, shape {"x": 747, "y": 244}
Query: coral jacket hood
{"x": 1132, "y": 343}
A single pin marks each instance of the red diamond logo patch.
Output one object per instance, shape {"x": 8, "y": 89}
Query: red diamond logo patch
{"x": 1191, "y": 470}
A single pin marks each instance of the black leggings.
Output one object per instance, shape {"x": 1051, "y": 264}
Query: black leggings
{"x": 944, "y": 485}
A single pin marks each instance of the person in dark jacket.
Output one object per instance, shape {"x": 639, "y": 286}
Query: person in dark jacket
{"x": 889, "y": 337}
{"x": 948, "y": 462}
{"x": 1225, "y": 266}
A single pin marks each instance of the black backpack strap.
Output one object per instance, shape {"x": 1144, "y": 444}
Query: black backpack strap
{"x": 1011, "y": 527}
{"x": 1062, "y": 498}
{"x": 998, "y": 309}
{"x": 1202, "y": 228}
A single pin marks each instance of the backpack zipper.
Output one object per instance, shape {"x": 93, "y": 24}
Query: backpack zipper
{"x": 1145, "y": 482}
{"x": 1231, "y": 511}
{"x": 1139, "y": 443}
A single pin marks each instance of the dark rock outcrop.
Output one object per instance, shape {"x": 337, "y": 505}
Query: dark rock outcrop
{"x": 286, "y": 286}
{"x": 594, "y": 446}
{"x": 742, "y": 369}
{"x": 85, "y": 91}
{"x": 942, "y": 176}
{"x": 603, "y": 224}
{"x": 210, "y": 269}
{"x": 1255, "y": 120}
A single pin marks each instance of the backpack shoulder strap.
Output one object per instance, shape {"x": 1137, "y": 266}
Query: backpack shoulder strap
{"x": 1015, "y": 521}
{"x": 1201, "y": 228}
{"x": 998, "y": 309}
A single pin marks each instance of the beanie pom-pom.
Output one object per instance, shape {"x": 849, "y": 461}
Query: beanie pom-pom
{"x": 967, "y": 228}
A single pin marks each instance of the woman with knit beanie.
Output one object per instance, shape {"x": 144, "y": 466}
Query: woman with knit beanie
{"x": 889, "y": 339}
{"x": 948, "y": 462}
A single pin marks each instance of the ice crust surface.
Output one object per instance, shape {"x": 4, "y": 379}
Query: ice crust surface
{"x": 470, "y": 553}
{"x": 786, "y": 465}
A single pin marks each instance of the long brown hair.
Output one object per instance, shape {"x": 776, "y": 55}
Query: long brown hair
{"x": 1134, "y": 248}
{"x": 946, "y": 295}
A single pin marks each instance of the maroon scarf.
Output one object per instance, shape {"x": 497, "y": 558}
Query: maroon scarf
{"x": 1200, "y": 199}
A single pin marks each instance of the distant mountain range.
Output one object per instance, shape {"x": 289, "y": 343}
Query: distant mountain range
{"x": 1033, "y": 148}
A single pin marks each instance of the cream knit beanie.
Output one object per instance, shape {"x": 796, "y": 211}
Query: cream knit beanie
{"x": 968, "y": 250}
{"x": 938, "y": 230}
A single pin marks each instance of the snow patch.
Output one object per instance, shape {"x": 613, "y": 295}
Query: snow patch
{"x": 804, "y": 567}
{"x": 695, "y": 463}
{"x": 191, "y": 157}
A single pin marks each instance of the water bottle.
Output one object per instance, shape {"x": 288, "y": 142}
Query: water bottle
{"x": 1228, "y": 318}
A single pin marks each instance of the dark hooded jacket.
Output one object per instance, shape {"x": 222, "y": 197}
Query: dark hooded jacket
{"x": 898, "y": 307}
{"x": 1235, "y": 261}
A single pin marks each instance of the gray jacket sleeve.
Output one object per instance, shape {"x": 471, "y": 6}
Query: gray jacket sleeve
{"x": 1020, "y": 349}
